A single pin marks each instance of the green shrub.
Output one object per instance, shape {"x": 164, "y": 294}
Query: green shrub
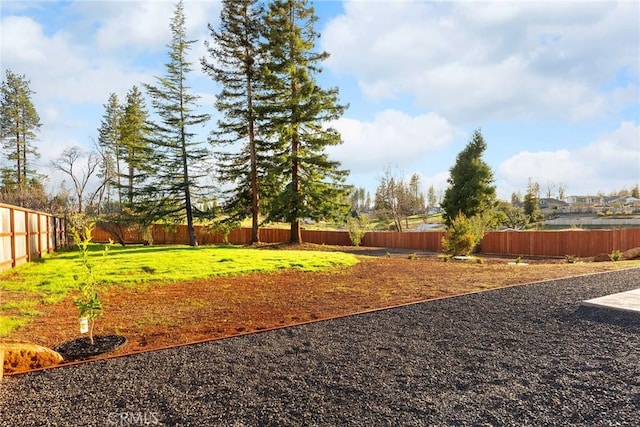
{"x": 616, "y": 255}
{"x": 357, "y": 228}
{"x": 463, "y": 235}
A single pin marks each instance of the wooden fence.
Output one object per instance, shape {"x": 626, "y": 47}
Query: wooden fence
{"x": 579, "y": 243}
{"x": 26, "y": 235}
{"x": 167, "y": 236}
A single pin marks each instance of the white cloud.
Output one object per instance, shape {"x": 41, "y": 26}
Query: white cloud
{"x": 610, "y": 163}
{"x": 393, "y": 137}
{"x": 59, "y": 67}
{"x": 143, "y": 25}
{"x": 615, "y": 156}
{"x": 491, "y": 60}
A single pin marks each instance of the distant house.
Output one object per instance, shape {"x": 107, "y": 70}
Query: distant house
{"x": 550, "y": 203}
{"x": 582, "y": 200}
{"x": 596, "y": 203}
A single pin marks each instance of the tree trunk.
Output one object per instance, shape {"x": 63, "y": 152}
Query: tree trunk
{"x": 255, "y": 197}
{"x": 296, "y": 235}
{"x": 187, "y": 191}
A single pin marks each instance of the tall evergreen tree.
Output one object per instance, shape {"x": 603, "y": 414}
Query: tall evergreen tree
{"x": 19, "y": 122}
{"x": 470, "y": 181}
{"x": 531, "y": 203}
{"x": 235, "y": 65}
{"x": 431, "y": 196}
{"x": 416, "y": 196}
{"x": 109, "y": 145}
{"x": 136, "y": 152}
{"x": 296, "y": 111}
{"x": 390, "y": 197}
{"x": 177, "y": 155}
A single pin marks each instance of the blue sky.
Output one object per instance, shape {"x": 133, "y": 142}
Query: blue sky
{"x": 554, "y": 86}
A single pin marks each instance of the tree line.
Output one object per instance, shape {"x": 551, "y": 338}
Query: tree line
{"x": 267, "y": 150}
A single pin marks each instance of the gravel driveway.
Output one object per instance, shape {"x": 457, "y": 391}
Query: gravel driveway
{"x": 527, "y": 355}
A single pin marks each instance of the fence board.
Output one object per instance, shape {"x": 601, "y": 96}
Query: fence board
{"x": 27, "y": 234}
{"x": 580, "y": 243}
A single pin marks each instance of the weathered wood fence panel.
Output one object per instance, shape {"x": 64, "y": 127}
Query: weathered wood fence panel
{"x": 426, "y": 241}
{"x": 579, "y": 243}
{"x": 26, "y": 235}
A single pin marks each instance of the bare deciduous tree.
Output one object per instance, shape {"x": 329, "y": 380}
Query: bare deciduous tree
{"x": 80, "y": 166}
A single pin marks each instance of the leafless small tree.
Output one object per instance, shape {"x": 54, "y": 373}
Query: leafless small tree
{"x": 80, "y": 166}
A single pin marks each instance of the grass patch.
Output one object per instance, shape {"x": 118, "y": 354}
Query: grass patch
{"x": 54, "y": 276}
{"x": 131, "y": 265}
{"x": 23, "y": 307}
{"x": 8, "y": 324}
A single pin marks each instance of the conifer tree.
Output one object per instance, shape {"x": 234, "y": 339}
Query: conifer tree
{"x": 235, "y": 65}
{"x": 303, "y": 181}
{"x": 177, "y": 156}
{"x": 109, "y": 146}
{"x": 531, "y": 203}
{"x": 136, "y": 151}
{"x": 19, "y": 123}
{"x": 470, "y": 181}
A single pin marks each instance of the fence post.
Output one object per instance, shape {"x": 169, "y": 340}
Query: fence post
{"x": 12, "y": 230}
{"x": 27, "y": 230}
{"x": 39, "y": 236}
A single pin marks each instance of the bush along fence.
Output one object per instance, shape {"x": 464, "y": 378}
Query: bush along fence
{"x": 579, "y": 243}
{"x": 26, "y": 235}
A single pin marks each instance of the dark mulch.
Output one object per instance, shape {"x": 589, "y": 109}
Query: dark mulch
{"x": 82, "y": 349}
{"x": 527, "y": 355}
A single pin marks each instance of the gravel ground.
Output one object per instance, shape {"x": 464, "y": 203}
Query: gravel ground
{"x": 527, "y": 355}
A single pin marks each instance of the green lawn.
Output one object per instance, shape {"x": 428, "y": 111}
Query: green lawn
{"x": 51, "y": 278}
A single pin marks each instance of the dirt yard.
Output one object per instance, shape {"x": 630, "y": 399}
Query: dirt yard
{"x": 161, "y": 315}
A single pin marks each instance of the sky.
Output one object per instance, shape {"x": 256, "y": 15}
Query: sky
{"x": 554, "y": 86}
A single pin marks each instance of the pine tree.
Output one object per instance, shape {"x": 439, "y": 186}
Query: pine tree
{"x": 19, "y": 122}
{"x": 136, "y": 152}
{"x": 109, "y": 145}
{"x": 416, "y": 196}
{"x": 531, "y": 203}
{"x": 177, "y": 155}
{"x": 470, "y": 188}
{"x": 235, "y": 65}
{"x": 304, "y": 182}
{"x": 431, "y": 196}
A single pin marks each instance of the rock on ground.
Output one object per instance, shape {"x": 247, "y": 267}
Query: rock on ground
{"x": 20, "y": 357}
{"x": 602, "y": 257}
{"x": 632, "y": 253}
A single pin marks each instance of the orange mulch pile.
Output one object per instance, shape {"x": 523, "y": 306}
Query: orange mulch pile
{"x": 159, "y": 315}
